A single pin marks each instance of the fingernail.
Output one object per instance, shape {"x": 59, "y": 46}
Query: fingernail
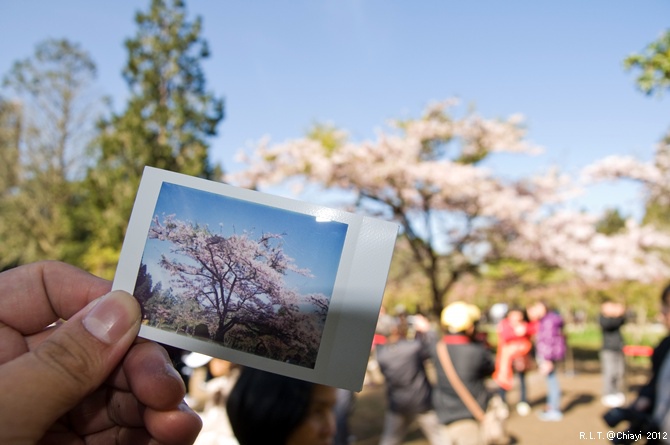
{"x": 172, "y": 372}
{"x": 183, "y": 407}
{"x": 112, "y": 317}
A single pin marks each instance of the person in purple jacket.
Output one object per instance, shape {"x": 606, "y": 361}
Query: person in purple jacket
{"x": 549, "y": 348}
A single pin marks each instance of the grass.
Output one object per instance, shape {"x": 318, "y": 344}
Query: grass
{"x": 589, "y": 335}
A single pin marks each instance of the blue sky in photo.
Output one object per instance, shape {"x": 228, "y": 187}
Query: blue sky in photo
{"x": 314, "y": 245}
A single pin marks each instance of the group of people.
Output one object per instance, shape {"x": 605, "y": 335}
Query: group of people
{"x": 91, "y": 379}
{"x": 461, "y": 357}
{"x": 531, "y": 339}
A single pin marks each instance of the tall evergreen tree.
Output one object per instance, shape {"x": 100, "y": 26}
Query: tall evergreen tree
{"x": 166, "y": 124}
{"x": 144, "y": 285}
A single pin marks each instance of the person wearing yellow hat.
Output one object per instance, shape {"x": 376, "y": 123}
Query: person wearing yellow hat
{"x": 473, "y": 363}
{"x": 460, "y": 317}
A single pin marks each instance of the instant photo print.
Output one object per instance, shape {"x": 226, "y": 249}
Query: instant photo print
{"x": 260, "y": 280}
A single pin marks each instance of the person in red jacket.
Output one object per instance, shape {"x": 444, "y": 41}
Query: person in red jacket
{"x": 513, "y": 355}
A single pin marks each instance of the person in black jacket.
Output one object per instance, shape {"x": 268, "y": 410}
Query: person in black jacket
{"x": 651, "y": 409}
{"x": 408, "y": 390}
{"x": 654, "y": 397}
{"x": 473, "y": 362}
{"x": 611, "y": 319}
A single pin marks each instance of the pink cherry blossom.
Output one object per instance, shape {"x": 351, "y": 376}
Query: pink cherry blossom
{"x": 425, "y": 174}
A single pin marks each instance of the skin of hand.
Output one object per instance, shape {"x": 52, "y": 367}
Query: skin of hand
{"x": 421, "y": 323}
{"x": 612, "y": 309}
{"x": 642, "y": 404}
{"x": 546, "y": 367}
{"x": 87, "y": 380}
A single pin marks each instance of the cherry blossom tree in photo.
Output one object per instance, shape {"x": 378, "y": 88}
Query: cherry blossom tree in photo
{"x": 239, "y": 282}
{"x": 429, "y": 175}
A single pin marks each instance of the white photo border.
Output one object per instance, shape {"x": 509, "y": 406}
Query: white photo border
{"x": 354, "y": 305}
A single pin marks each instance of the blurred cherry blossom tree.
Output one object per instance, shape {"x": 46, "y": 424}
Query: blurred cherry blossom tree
{"x": 428, "y": 175}
{"x": 239, "y": 283}
{"x": 653, "y": 67}
{"x": 654, "y": 175}
{"x": 626, "y": 251}
{"x": 570, "y": 240}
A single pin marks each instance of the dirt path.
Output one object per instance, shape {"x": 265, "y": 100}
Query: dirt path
{"x": 582, "y": 422}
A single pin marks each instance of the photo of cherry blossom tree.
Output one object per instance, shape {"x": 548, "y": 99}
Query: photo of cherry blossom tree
{"x": 250, "y": 277}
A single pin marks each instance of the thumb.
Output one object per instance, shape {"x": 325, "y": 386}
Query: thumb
{"x": 46, "y": 383}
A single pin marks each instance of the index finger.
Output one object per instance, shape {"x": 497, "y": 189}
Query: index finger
{"x": 35, "y": 295}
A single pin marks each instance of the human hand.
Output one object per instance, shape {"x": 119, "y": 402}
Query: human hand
{"x": 545, "y": 367}
{"x": 520, "y": 329}
{"x": 86, "y": 380}
{"x": 421, "y": 323}
{"x": 613, "y": 309}
{"x": 642, "y": 404}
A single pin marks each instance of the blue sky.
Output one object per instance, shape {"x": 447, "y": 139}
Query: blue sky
{"x": 314, "y": 245}
{"x": 282, "y": 65}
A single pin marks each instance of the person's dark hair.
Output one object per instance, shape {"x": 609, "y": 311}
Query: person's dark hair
{"x": 518, "y": 308}
{"x": 665, "y": 295}
{"x": 265, "y": 408}
{"x": 604, "y": 298}
{"x": 544, "y": 303}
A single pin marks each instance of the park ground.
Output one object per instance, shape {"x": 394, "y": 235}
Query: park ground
{"x": 581, "y": 385}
